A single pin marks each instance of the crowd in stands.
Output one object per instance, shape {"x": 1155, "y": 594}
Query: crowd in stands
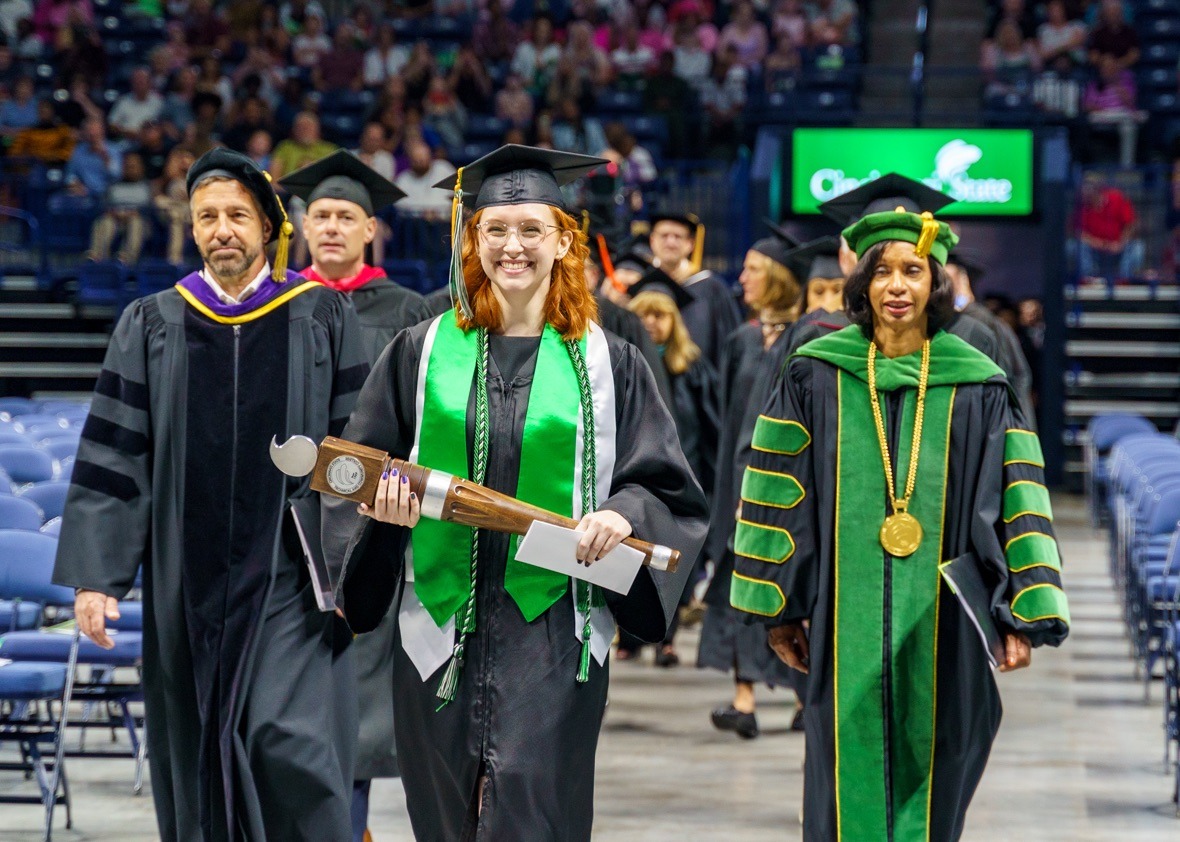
{"x": 1080, "y": 59}
{"x": 122, "y": 94}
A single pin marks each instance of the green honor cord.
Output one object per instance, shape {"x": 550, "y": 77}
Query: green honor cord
{"x": 587, "y": 595}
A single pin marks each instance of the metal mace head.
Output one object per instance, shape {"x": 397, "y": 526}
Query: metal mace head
{"x": 296, "y": 457}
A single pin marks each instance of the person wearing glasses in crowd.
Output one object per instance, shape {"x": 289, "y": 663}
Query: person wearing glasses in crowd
{"x": 771, "y": 292}
{"x": 500, "y": 668}
{"x": 896, "y": 543}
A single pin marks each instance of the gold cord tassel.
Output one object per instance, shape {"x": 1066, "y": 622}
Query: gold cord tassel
{"x": 929, "y": 234}
{"x": 698, "y": 248}
{"x": 586, "y": 222}
{"x": 458, "y": 284}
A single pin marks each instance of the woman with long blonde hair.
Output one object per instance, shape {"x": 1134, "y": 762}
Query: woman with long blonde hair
{"x": 694, "y": 407}
{"x": 500, "y": 670}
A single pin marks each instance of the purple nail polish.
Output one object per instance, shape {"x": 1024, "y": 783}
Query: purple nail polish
{"x": 385, "y": 474}
{"x": 413, "y": 496}
{"x": 405, "y": 479}
{"x": 394, "y": 473}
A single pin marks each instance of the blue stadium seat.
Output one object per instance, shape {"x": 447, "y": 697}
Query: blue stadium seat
{"x": 62, "y": 448}
{"x": 468, "y": 152}
{"x": 485, "y": 127}
{"x": 19, "y": 615}
{"x": 17, "y": 406}
{"x": 25, "y": 464}
{"x": 22, "y": 423}
{"x": 50, "y": 496}
{"x": 18, "y": 513}
{"x": 152, "y": 276}
{"x": 1162, "y": 52}
{"x": 51, "y": 527}
{"x": 1163, "y": 102}
{"x": 619, "y": 102}
{"x": 408, "y": 273}
{"x": 102, "y": 283}
{"x": 1156, "y": 78}
{"x": 11, "y": 436}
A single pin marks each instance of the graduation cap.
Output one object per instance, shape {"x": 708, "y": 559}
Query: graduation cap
{"x": 342, "y": 175}
{"x": 696, "y": 230}
{"x": 886, "y": 193}
{"x": 815, "y": 259}
{"x": 516, "y": 175}
{"x": 226, "y": 163}
{"x": 782, "y": 233}
{"x": 658, "y": 281}
{"x": 511, "y": 175}
{"x": 772, "y": 248}
{"x": 929, "y": 236}
{"x": 971, "y": 261}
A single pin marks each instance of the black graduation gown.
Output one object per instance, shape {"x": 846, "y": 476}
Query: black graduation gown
{"x": 968, "y": 702}
{"x": 727, "y": 643}
{"x": 439, "y": 301}
{"x": 712, "y": 315}
{"x": 248, "y": 687}
{"x": 695, "y": 409}
{"x": 1009, "y": 356}
{"x": 519, "y": 716}
{"x": 384, "y": 308}
{"x": 628, "y": 326}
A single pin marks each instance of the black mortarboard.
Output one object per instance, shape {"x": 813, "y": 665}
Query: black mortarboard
{"x": 515, "y": 175}
{"x": 342, "y": 175}
{"x": 636, "y": 259}
{"x": 689, "y": 220}
{"x": 886, "y": 193}
{"x": 656, "y": 280}
{"x": 815, "y": 259}
{"x": 773, "y": 248}
{"x": 782, "y": 233}
{"x": 226, "y": 163}
{"x": 970, "y": 260}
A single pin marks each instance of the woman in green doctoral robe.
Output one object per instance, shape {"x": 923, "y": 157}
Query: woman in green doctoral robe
{"x": 891, "y": 461}
{"x": 500, "y": 668}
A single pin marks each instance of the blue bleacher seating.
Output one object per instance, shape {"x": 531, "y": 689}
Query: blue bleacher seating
{"x": 10, "y": 436}
{"x": 17, "y": 406}
{"x": 50, "y": 496}
{"x": 409, "y": 273}
{"x": 485, "y": 127}
{"x": 25, "y": 464}
{"x": 102, "y": 283}
{"x": 62, "y": 448}
{"x": 51, "y": 527}
{"x": 152, "y": 276}
{"x": 619, "y": 102}
{"x": 18, "y": 513}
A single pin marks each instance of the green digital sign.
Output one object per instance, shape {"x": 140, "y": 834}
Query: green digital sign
{"x": 988, "y": 171}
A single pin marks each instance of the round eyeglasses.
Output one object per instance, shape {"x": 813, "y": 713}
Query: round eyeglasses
{"x": 529, "y": 234}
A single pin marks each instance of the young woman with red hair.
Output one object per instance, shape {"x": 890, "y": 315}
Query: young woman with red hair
{"x": 500, "y": 668}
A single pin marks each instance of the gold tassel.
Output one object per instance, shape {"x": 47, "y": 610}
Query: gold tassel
{"x": 698, "y": 249}
{"x": 586, "y": 222}
{"x": 278, "y": 272}
{"x": 930, "y": 227}
{"x": 455, "y": 279}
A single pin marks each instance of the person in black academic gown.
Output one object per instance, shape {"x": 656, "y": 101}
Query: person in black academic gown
{"x": 248, "y": 687}
{"x": 655, "y": 300}
{"x": 896, "y": 543}
{"x": 677, "y": 245}
{"x": 501, "y": 668}
{"x": 771, "y": 292}
{"x": 342, "y": 194}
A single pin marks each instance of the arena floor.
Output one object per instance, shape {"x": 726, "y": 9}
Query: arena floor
{"x": 1079, "y": 757}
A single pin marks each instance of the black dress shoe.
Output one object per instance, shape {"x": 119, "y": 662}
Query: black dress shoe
{"x": 797, "y": 720}
{"x": 667, "y": 658}
{"x": 745, "y": 725}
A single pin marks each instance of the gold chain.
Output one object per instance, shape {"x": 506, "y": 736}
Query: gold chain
{"x": 900, "y": 504}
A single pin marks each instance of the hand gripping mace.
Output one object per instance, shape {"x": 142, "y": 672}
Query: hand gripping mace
{"x": 351, "y": 471}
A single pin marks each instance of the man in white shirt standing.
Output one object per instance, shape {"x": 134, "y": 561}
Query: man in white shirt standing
{"x": 418, "y": 183}
{"x": 139, "y": 106}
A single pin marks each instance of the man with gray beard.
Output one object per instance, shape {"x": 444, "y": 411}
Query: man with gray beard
{"x": 251, "y": 724}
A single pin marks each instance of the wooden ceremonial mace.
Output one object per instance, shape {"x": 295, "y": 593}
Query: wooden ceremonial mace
{"x": 352, "y": 471}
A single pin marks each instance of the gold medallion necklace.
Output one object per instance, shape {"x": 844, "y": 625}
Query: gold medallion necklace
{"x": 900, "y": 533}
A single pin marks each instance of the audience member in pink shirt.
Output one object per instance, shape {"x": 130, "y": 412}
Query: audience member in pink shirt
{"x": 746, "y": 34}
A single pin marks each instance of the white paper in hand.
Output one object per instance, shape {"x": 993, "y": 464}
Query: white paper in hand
{"x": 555, "y": 548}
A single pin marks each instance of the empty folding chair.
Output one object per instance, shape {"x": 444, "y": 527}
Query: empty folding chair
{"x": 11, "y": 436}
{"x": 51, "y": 527}
{"x": 60, "y": 448}
{"x": 26, "y": 565}
{"x": 40, "y": 420}
{"x": 24, "y": 463}
{"x": 50, "y": 496}
{"x": 34, "y": 554}
{"x": 1104, "y": 432}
